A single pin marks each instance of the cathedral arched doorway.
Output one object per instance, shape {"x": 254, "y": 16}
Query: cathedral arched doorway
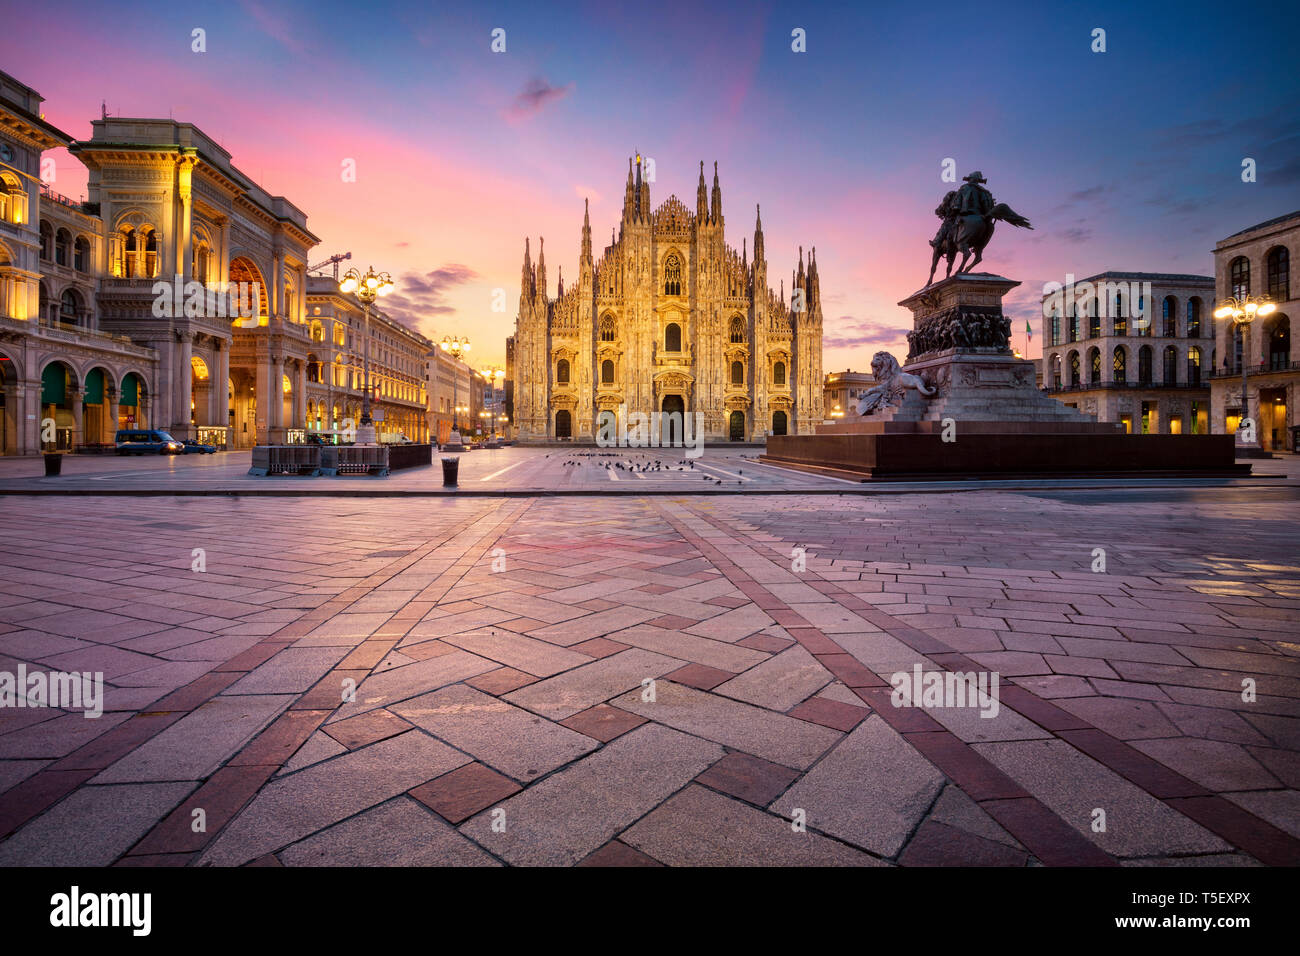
{"x": 563, "y": 424}
{"x": 737, "y": 426}
{"x": 674, "y": 420}
{"x": 778, "y": 423}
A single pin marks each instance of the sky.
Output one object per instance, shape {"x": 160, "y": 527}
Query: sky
{"x": 1127, "y": 159}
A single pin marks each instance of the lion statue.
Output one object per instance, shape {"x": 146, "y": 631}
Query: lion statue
{"x": 891, "y": 383}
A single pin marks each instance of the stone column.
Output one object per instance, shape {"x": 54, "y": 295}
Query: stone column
{"x": 300, "y": 394}
{"x": 111, "y": 408}
{"x": 263, "y": 397}
{"x": 223, "y": 387}
{"x": 182, "y": 385}
{"x": 275, "y": 413}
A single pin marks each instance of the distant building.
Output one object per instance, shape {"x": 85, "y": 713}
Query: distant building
{"x": 1133, "y": 347}
{"x": 1257, "y": 261}
{"x": 841, "y": 392}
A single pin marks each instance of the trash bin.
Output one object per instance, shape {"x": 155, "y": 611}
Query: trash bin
{"x": 53, "y": 464}
{"x": 449, "y": 468}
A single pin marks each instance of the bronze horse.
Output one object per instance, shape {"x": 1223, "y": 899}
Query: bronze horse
{"x": 967, "y": 234}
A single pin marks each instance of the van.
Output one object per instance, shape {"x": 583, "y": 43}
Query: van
{"x": 146, "y": 441}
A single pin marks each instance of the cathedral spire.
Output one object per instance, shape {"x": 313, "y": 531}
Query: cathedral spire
{"x": 701, "y": 199}
{"x": 628, "y": 196}
{"x": 559, "y": 293}
{"x": 758, "y": 236}
{"x": 642, "y": 192}
{"x": 586, "y": 232}
{"x": 716, "y": 213}
{"x": 526, "y": 282}
{"x": 541, "y": 266}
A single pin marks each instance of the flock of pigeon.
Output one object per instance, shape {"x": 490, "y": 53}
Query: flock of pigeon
{"x": 643, "y": 468}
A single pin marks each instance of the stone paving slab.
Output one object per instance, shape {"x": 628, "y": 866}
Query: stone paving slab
{"x": 501, "y": 735}
{"x": 567, "y": 694}
{"x": 872, "y": 790}
{"x": 776, "y": 737}
{"x": 193, "y": 747}
{"x": 561, "y": 819}
{"x": 398, "y": 833}
{"x": 698, "y": 827}
{"x": 296, "y": 806}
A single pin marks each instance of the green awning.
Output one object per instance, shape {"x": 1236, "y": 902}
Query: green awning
{"x": 130, "y": 390}
{"x": 54, "y": 384}
{"x": 95, "y": 387}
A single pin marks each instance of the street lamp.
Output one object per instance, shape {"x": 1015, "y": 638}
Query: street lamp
{"x": 455, "y": 347}
{"x": 1242, "y": 310}
{"x": 367, "y": 287}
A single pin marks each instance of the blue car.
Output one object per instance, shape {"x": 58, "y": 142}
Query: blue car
{"x": 147, "y": 441}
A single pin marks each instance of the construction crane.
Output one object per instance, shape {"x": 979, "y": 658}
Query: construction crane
{"x": 332, "y": 260}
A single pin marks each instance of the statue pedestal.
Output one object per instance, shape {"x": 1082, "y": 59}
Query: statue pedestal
{"x": 987, "y": 418}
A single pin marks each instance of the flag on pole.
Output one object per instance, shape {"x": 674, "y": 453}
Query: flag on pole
{"x": 1029, "y": 333}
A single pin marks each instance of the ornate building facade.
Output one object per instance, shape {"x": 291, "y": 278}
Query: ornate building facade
{"x": 1125, "y": 358}
{"x": 670, "y": 318}
{"x": 1257, "y": 261}
{"x": 85, "y": 348}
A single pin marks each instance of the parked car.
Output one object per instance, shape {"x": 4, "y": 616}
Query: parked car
{"x": 147, "y": 441}
{"x": 195, "y": 448}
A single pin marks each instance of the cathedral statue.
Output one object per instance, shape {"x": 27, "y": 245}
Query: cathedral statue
{"x": 967, "y": 216}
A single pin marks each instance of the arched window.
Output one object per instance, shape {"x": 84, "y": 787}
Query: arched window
{"x": 1277, "y": 266}
{"x": 607, "y": 329}
{"x": 1239, "y": 277}
{"x": 1094, "y": 366}
{"x": 737, "y": 373}
{"x": 150, "y": 249}
{"x": 1120, "y": 365}
{"x": 1074, "y": 325}
{"x": 737, "y": 330}
{"x": 1171, "y": 365}
{"x": 81, "y": 254}
{"x": 1169, "y": 316}
{"x": 69, "y": 307}
{"x": 63, "y": 247}
{"x": 1277, "y": 332}
{"x": 673, "y": 338}
{"x": 46, "y": 315}
{"x": 47, "y": 241}
{"x": 779, "y": 423}
{"x": 778, "y": 373}
{"x": 1144, "y": 365}
{"x": 1119, "y": 318}
{"x": 1074, "y": 369}
{"x": 1194, "y": 317}
{"x": 1056, "y": 371}
{"x": 672, "y": 275}
{"x": 607, "y": 372}
{"x": 124, "y": 253}
{"x": 1194, "y": 366}
{"x": 562, "y": 372}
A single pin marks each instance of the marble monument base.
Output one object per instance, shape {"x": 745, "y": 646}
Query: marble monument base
{"x": 987, "y": 417}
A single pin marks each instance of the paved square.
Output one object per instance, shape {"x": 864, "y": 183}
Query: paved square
{"x": 664, "y": 677}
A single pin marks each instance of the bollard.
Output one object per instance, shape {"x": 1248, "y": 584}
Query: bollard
{"x": 449, "y": 468}
{"x": 53, "y": 464}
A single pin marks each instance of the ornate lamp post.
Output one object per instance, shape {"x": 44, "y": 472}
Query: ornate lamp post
{"x": 1242, "y": 310}
{"x": 455, "y": 347}
{"x": 367, "y": 287}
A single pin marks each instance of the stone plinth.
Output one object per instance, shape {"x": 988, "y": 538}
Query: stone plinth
{"x": 986, "y": 416}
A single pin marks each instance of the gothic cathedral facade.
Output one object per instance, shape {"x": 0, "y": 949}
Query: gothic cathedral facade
{"x": 669, "y": 319}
